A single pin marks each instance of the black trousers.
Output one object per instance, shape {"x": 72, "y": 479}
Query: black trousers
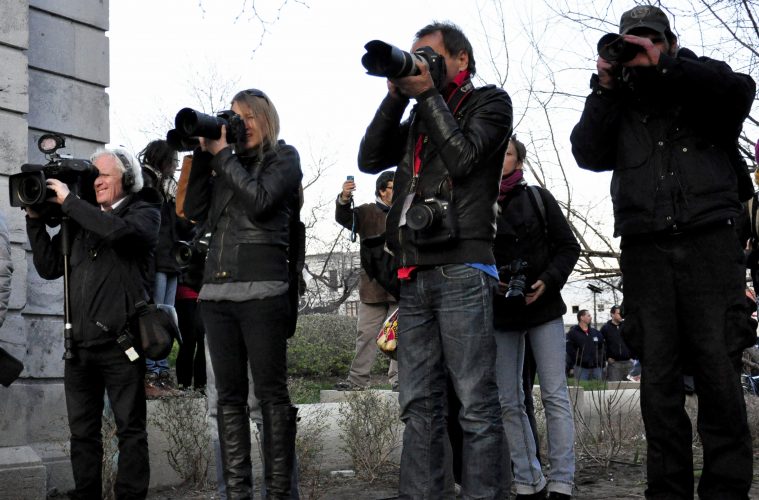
{"x": 93, "y": 372}
{"x": 191, "y": 358}
{"x": 685, "y": 312}
{"x": 255, "y": 332}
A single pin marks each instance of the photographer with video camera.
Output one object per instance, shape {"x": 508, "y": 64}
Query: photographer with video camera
{"x": 247, "y": 197}
{"x": 533, "y": 233}
{"x": 666, "y": 123}
{"x": 441, "y": 228}
{"x": 111, "y": 248}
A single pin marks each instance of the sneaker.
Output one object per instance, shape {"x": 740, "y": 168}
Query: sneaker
{"x": 347, "y": 385}
{"x": 534, "y": 496}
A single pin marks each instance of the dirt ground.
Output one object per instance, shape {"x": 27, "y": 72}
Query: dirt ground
{"x": 622, "y": 481}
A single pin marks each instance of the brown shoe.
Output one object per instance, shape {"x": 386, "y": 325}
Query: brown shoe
{"x": 155, "y": 388}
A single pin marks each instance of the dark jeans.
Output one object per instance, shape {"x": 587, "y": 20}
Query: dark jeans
{"x": 96, "y": 370}
{"x": 446, "y": 324}
{"x": 252, "y": 331}
{"x": 191, "y": 359}
{"x": 684, "y": 299}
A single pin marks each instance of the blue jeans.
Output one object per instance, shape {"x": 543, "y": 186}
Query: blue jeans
{"x": 547, "y": 341}
{"x": 445, "y": 321}
{"x": 581, "y": 373}
{"x": 164, "y": 292}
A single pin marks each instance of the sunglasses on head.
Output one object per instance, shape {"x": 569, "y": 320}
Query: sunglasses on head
{"x": 256, "y": 93}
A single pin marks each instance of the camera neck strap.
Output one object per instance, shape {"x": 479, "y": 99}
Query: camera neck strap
{"x": 454, "y": 100}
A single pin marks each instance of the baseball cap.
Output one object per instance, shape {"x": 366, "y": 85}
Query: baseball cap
{"x": 644, "y": 16}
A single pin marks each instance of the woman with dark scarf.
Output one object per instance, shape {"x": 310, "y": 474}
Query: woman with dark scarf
{"x": 535, "y": 251}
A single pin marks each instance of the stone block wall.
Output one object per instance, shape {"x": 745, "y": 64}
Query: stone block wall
{"x": 55, "y": 69}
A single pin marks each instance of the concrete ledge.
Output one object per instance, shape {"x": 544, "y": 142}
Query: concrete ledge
{"x": 22, "y": 475}
{"x": 333, "y": 396}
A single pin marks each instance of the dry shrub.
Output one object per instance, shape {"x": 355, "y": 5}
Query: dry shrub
{"x": 371, "y": 432}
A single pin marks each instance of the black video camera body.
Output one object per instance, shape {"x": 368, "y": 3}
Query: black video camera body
{"x": 190, "y": 124}
{"x": 29, "y": 188}
{"x": 388, "y": 61}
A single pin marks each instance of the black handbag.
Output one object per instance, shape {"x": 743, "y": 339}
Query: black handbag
{"x": 158, "y": 329}
{"x": 10, "y": 368}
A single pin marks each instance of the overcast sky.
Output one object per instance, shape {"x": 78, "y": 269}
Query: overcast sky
{"x": 309, "y": 64}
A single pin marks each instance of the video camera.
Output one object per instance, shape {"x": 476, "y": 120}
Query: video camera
{"x": 29, "y": 188}
{"x": 190, "y": 124}
{"x": 383, "y": 59}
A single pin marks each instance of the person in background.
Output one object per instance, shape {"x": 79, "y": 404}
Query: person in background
{"x": 368, "y": 220}
{"x": 6, "y": 268}
{"x": 159, "y": 160}
{"x": 535, "y": 251}
{"x": 618, "y": 357}
{"x": 585, "y": 349}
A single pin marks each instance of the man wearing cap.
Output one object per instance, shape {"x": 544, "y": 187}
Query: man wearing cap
{"x": 368, "y": 220}
{"x": 666, "y": 123}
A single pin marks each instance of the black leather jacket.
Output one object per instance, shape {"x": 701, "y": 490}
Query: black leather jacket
{"x": 107, "y": 249}
{"x": 462, "y": 157}
{"x": 668, "y": 134}
{"x": 246, "y": 203}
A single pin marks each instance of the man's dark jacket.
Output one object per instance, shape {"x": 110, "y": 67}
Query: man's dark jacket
{"x": 615, "y": 346}
{"x": 668, "y": 133}
{"x": 462, "y": 155}
{"x": 369, "y": 223}
{"x": 584, "y": 350}
{"x": 548, "y": 246}
{"x": 246, "y": 204}
{"x": 107, "y": 248}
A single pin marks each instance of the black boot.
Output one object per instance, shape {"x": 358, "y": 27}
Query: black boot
{"x": 279, "y": 448}
{"x": 234, "y": 437}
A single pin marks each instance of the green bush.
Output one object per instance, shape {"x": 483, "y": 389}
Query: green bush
{"x": 324, "y": 345}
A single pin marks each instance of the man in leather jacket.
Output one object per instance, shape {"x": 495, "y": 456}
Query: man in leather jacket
{"x": 111, "y": 243}
{"x": 441, "y": 228}
{"x": 666, "y": 124}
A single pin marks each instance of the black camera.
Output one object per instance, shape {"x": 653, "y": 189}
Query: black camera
{"x": 432, "y": 221}
{"x": 29, "y": 188}
{"x": 190, "y": 124}
{"x": 184, "y": 252}
{"x": 614, "y": 48}
{"x": 388, "y": 61}
{"x": 516, "y": 274}
{"x": 426, "y": 214}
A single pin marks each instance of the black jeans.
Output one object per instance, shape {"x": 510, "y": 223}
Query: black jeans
{"x": 191, "y": 358}
{"x": 684, "y": 309}
{"x": 252, "y": 331}
{"x": 96, "y": 370}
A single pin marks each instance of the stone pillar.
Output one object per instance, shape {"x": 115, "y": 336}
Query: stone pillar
{"x": 54, "y": 59}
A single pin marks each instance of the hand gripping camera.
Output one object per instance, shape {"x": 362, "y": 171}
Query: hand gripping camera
{"x": 29, "y": 188}
{"x": 383, "y": 59}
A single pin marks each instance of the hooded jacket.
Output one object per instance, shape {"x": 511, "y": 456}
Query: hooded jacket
{"x": 462, "y": 158}
{"x": 107, "y": 248}
{"x": 669, "y": 135}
